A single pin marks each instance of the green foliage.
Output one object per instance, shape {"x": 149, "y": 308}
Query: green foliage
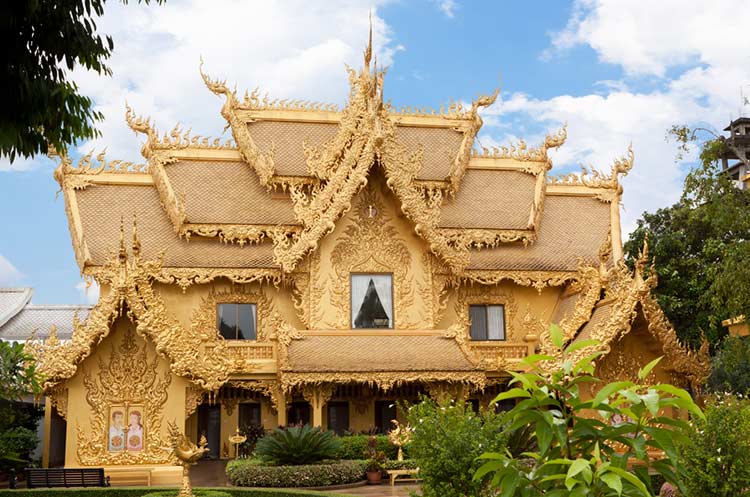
{"x": 716, "y": 455}
{"x": 197, "y": 493}
{"x": 405, "y": 464}
{"x": 730, "y": 367}
{"x": 355, "y": 446}
{"x": 253, "y": 433}
{"x": 247, "y": 474}
{"x": 446, "y": 441}
{"x": 700, "y": 246}
{"x": 18, "y": 377}
{"x": 297, "y": 445}
{"x": 577, "y": 437}
{"x": 43, "y": 43}
{"x": 141, "y": 491}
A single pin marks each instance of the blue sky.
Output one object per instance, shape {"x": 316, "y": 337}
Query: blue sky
{"x": 617, "y": 72}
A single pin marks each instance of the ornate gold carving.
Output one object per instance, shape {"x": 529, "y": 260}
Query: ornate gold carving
{"x": 205, "y": 318}
{"x": 461, "y": 329}
{"x": 372, "y": 244}
{"x": 199, "y": 356}
{"x": 536, "y": 279}
{"x": 253, "y": 101}
{"x": 318, "y": 395}
{"x": 185, "y": 453}
{"x": 525, "y": 154}
{"x": 238, "y": 233}
{"x": 229, "y": 404}
{"x": 486, "y": 238}
{"x": 126, "y": 378}
{"x": 91, "y": 165}
{"x": 270, "y": 388}
{"x": 596, "y": 179}
{"x": 59, "y": 398}
{"x": 261, "y": 162}
{"x": 383, "y": 380}
{"x": 443, "y": 392}
{"x": 184, "y": 277}
{"x": 193, "y": 398}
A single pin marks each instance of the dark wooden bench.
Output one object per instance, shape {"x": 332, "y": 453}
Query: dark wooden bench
{"x": 66, "y": 477}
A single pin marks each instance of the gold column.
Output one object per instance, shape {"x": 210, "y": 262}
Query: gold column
{"x": 281, "y": 410}
{"x": 47, "y": 429}
{"x": 615, "y": 227}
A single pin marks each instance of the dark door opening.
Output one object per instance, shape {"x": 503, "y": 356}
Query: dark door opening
{"x": 299, "y": 413}
{"x": 338, "y": 417}
{"x": 57, "y": 435}
{"x": 385, "y": 412}
{"x": 209, "y": 425}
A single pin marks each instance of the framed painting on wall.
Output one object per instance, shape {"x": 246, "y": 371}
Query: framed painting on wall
{"x": 136, "y": 433}
{"x": 116, "y": 433}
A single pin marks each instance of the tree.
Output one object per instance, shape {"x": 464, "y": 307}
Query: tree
{"x": 18, "y": 378}
{"x": 43, "y": 41}
{"x": 730, "y": 367}
{"x": 700, "y": 246}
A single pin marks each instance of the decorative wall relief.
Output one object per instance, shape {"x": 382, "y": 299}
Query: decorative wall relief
{"x": 126, "y": 398}
{"x": 370, "y": 243}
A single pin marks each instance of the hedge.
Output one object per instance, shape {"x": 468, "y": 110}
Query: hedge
{"x": 249, "y": 474}
{"x": 196, "y": 493}
{"x": 142, "y": 491}
{"x": 405, "y": 464}
{"x": 354, "y": 446}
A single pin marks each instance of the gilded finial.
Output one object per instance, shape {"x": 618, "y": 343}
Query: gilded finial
{"x": 642, "y": 260}
{"x": 122, "y": 255}
{"x": 136, "y": 242}
{"x": 368, "y": 50}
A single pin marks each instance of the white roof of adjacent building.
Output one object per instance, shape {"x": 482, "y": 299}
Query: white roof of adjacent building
{"x": 19, "y": 318}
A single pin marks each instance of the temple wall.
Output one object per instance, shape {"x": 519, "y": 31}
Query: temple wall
{"x": 92, "y": 403}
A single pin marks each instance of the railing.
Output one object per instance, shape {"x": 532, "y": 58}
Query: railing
{"x": 247, "y": 355}
{"x": 505, "y": 351}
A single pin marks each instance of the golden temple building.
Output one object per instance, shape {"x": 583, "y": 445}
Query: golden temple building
{"x": 324, "y": 264}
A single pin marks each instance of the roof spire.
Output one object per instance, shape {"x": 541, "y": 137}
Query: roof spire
{"x": 122, "y": 255}
{"x": 368, "y": 50}
{"x": 136, "y": 242}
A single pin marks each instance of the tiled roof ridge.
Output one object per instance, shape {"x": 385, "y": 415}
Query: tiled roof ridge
{"x": 12, "y": 311}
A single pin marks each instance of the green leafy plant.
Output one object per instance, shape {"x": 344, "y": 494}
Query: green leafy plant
{"x": 446, "y": 440}
{"x": 243, "y": 473}
{"x": 297, "y": 445}
{"x": 376, "y": 459}
{"x": 586, "y": 446}
{"x": 716, "y": 454}
{"x": 355, "y": 446}
{"x": 253, "y": 432}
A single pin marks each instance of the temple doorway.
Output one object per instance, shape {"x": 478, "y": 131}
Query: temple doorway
{"x": 299, "y": 413}
{"x": 209, "y": 425}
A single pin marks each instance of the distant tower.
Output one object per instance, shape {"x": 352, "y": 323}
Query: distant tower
{"x": 738, "y": 148}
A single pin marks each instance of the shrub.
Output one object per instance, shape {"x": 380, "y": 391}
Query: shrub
{"x": 446, "y": 441}
{"x": 297, "y": 445}
{"x": 197, "y": 493}
{"x": 585, "y": 446}
{"x": 355, "y": 447}
{"x": 730, "y": 367}
{"x": 242, "y": 474}
{"x": 405, "y": 464}
{"x": 139, "y": 492}
{"x": 253, "y": 433}
{"x": 717, "y": 454}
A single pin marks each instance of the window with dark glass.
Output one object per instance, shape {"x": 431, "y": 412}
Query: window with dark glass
{"x": 487, "y": 322}
{"x": 236, "y": 321}
{"x": 372, "y": 300}
{"x": 385, "y": 413}
{"x": 338, "y": 417}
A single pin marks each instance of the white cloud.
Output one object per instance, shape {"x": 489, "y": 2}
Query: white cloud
{"x": 291, "y": 49}
{"x": 9, "y": 275}
{"x": 644, "y": 38}
{"x": 447, "y": 7}
{"x": 89, "y": 293}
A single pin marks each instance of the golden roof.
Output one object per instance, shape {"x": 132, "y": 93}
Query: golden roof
{"x": 294, "y": 168}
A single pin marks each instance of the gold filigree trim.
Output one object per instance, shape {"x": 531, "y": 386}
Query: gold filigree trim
{"x": 593, "y": 178}
{"x": 239, "y": 233}
{"x": 521, "y": 151}
{"x": 536, "y": 279}
{"x": 383, "y": 380}
{"x": 59, "y": 398}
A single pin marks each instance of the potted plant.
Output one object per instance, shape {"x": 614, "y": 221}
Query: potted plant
{"x": 375, "y": 462}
